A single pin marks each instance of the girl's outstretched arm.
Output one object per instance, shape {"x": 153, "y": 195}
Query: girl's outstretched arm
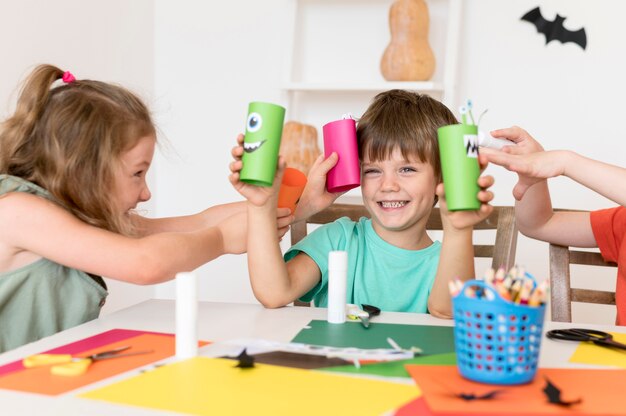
{"x": 210, "y": 217}
{"x": 534, "y": 214}
{"x": 36, "y": 227}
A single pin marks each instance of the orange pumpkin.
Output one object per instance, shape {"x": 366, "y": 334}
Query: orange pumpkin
{"x": 298, "y": 145}
{"x": 408, "y": 57}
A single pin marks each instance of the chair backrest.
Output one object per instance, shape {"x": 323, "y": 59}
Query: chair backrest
{"x": 502, "y": 219}
{"x": 561, "y": 293}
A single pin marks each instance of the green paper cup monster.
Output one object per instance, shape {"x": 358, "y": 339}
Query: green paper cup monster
{"x": 264, "y": 128}
{"x": 458, "y": 150}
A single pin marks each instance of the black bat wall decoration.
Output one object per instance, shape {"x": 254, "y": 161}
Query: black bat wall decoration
{"x": 554, "y": 30}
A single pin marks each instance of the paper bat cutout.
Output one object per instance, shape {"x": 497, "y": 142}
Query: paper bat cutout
{"x": 554, "y": 30}
{"x": 554, "y": 395}
{"x": 486, "y": 396}
{"x": 245, "y": 360}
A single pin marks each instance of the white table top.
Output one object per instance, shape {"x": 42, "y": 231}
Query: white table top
{"x": 217, "y": 322}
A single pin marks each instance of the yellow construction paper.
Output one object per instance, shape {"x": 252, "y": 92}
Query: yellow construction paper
{"x": 588, "y": 353}
{"x": 213, "y": 386}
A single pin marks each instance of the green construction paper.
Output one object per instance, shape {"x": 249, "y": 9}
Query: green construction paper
{"x": 264, "y": 128}
{"x": 430, "y": 339}
{"x": 395, "y": 368}
{"x": 458, "y": 150}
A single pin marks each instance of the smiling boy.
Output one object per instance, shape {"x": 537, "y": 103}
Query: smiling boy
{"x": 392, "y": 262}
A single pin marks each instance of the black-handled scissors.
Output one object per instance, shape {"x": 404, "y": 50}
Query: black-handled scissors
{"x": 601, "y": 338}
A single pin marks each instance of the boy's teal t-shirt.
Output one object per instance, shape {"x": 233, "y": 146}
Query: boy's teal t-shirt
{"x": 379, "y": 274}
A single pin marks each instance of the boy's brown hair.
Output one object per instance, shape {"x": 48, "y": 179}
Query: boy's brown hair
{"x": 406, "y": 120}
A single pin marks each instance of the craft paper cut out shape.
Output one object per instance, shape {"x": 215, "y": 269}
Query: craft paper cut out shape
{"x": 554, "y": 395}
{"x": 554, "y": 29}
{"x": 245, "y": 360}
{"x": 298, "y": 360}
{"x": 485, "y": 396}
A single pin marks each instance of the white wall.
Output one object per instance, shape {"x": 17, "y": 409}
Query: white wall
{"x": 211, "y": 61}
{"x": 109, "y": 41}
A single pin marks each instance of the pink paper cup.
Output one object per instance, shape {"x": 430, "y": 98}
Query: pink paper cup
{"x": 291, "y": 189}
{"x": 340, "y": 137}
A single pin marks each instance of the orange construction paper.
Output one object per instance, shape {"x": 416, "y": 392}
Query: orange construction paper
{"x": 39, "y": 380}
{"x": 601, "y": 392}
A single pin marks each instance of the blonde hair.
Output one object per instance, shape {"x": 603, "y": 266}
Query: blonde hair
{"x": 404, "y": 120}
{"x": 68, "y": 139}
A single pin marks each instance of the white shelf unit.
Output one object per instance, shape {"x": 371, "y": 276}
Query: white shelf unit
{"x": 363, "y": 86}
{"x": 333, "y": 53}
{"x": 336, "y": 46}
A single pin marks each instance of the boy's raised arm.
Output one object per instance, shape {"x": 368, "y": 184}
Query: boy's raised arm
{"x": 273, "y": 282}
{"x": 456, "y": 260}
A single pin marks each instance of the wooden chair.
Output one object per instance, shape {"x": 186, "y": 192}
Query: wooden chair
{"x": 561, "y": 293}
{"x": 502, "y": 220}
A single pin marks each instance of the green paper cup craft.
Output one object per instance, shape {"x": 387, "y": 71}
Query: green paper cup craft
{"x": 264, "y": 128}
{"x": 458, "y": 150}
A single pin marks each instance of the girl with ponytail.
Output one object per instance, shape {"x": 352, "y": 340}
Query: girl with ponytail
{"x": 73, "y": 164}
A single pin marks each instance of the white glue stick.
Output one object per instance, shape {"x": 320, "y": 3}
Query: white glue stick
{"x": 337, "y": 281}
{"x": 486, "y": 140}
{"x": 186, "y": 316}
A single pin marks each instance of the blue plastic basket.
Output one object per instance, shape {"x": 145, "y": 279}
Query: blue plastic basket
{"x": 497, "y": 341}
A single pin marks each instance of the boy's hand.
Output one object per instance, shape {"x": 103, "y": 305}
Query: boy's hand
{"x": 315, "y": 197}
{"x": 256, "y": 195}
{"x": 465, "y": 219}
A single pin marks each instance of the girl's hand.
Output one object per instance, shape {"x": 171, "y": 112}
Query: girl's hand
{"x": 525, "y": 145}
{"x": 464, "y": 219}
{"x": 284, "y": 218}
{"x": 524, "y": 142}
{"x": 315, "y": 197}
{"x": 531, "y": 168}
{"x": 234, "y": 230}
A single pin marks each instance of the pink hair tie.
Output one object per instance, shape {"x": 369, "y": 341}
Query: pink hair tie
{"x": 68, "y": 78}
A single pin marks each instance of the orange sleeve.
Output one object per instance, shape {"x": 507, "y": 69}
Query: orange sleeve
{"x": 609, "y": 228}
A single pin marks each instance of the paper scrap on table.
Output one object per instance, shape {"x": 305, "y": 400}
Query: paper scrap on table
{"x": 588, "y": 353}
